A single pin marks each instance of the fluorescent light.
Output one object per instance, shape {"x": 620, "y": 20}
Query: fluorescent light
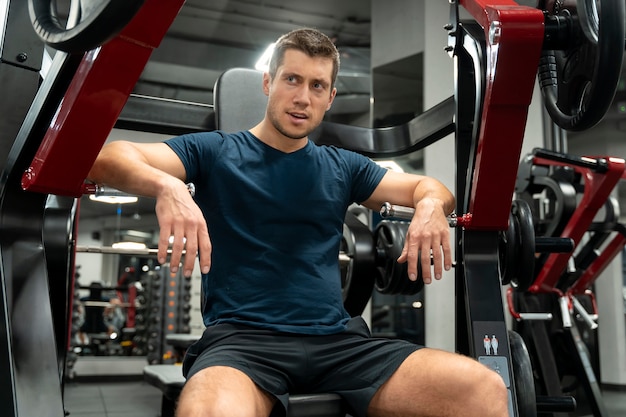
{"x": 113, "y": 199}
{"x": 263, "y": 64}
{"x": 129, "y": 245}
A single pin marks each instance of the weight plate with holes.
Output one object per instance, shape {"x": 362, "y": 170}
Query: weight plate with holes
{"x": 525, "y": 252}
{"x": 393, "y": 276}
{"x": 579, "y": 80}
{"x": 91, "y": 24}
{"x": 358, "y": 275}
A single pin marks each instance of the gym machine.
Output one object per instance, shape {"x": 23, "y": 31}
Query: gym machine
{"x": 570, "y": 197}
{"x": 497, "y": 55}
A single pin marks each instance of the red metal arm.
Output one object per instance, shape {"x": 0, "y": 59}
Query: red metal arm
{"x": 94, "y": 100}
{"x": 615, "y": 246}
{"x": 598, "y": 187}
{"x": 514, "y": 36}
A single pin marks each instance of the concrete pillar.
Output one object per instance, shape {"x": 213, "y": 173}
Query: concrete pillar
{"x": 611, "y": 327}
{"x": 439, "y": 162}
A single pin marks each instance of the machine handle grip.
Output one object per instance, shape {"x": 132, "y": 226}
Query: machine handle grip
{"x": 406, "y": 213}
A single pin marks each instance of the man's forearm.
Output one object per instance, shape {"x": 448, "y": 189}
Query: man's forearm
{"x": 433, "y": 190}
{"x": 122, "y": 166}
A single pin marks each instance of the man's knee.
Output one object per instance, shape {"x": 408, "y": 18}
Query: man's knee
{"x": 223, "y": 392}
{"x": 491, "y": 385}
{"x": 212, "y": 406}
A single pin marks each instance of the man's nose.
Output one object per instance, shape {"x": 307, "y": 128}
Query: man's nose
{"x": 302, "y": 95}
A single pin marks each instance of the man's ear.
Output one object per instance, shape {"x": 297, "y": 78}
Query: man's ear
{"x": 332, "y": 97}
{"x": 266, "y": 83}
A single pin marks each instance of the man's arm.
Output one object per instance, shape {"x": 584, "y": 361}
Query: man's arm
{"x": 154, "y": 170}
{"x": 429, "y": 231}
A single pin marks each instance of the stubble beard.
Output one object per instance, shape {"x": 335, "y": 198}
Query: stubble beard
{"x": 274, "y": 119}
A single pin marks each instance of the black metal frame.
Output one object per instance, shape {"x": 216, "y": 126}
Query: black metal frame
{"x": 33, "y": 330}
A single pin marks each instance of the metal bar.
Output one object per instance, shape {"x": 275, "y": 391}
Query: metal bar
{"x": 425, "y": 129}
{"x": 406, "y": 213}
{"x": 120, "y": 251}
{"x": 586, "y": 374}
{"x": 587, "y": 318}
{"x": 109, "y": 250}
{"x": 535, "y": 316}
{"x": 599, "y": 264}
{"x": 165, "y": 116}
{"x": 105, "y": 304}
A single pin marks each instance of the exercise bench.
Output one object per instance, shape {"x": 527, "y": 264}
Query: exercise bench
{"x": 169, "y": 379}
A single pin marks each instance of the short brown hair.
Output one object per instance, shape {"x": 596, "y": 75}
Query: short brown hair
{"x": 310, "y": 41}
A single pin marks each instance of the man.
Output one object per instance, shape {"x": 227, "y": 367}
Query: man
{"x": 274, "y": 203}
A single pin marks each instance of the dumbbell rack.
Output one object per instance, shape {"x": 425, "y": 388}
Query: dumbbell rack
{"x": 167, "y": 308}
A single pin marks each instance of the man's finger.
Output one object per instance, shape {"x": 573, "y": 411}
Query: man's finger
{"x": 205, "y": 249}
{"x": 191, "y": 250}
{"x": 164, "y": 243}
{"x": 178, "y": 244}
{"x": 424, "y": 255}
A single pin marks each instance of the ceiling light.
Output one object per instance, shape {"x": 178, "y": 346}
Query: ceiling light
{"x": 263, "y": 64}
{"x": 113, "y": 199}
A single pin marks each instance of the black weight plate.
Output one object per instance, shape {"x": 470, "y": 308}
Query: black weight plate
{"x": 523, "y": 377}
{"x": 103, "y": 20}
{"x": 393, "y": 276}
{"x": 507, "y": 251}
{"x": 359, "y": 275}
{"x": 579, "y": 82}
{"x": 526, "y": 246}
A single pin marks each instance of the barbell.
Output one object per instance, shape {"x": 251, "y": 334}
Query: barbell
{"x": 368, "y": 260}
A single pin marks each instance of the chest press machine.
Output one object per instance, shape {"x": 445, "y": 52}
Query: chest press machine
{"x": 497, "y": 55}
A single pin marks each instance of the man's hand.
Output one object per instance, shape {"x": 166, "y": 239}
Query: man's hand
{"x": 429, "y": 233}
{"x": 180, "y": 218}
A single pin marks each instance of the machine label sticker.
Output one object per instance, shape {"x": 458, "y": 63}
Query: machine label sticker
{"x": 500, "y": 364}
{"x": 491, "y": 347}
{"x": 490, "y": 338}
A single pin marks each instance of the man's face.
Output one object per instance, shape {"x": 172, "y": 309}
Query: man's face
{"x": 300, "y": 94}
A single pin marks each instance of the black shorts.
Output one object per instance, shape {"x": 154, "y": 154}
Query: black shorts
{"x": 351, "y": 364}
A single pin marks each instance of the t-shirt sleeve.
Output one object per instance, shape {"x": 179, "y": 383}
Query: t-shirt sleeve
{"x": 366, "y": 175}
{"x": 197, "y": 151}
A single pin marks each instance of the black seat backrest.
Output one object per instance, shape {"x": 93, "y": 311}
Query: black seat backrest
{"x": 239, "y": 99}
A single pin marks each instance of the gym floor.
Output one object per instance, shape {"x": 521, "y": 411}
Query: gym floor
{"x": 112, "y": 399}
{"x": 137, "y": 399}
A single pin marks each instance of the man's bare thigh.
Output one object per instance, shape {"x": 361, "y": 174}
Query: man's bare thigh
{"x": 219, "y": 390}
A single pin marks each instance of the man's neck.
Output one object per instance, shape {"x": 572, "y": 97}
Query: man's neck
{"x": 276, "y": 140}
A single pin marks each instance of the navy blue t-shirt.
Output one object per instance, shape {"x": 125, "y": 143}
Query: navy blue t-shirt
{"x": 275, "y": 220}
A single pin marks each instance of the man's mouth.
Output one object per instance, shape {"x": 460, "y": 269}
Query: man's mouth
{"x": 298, "y": 115}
